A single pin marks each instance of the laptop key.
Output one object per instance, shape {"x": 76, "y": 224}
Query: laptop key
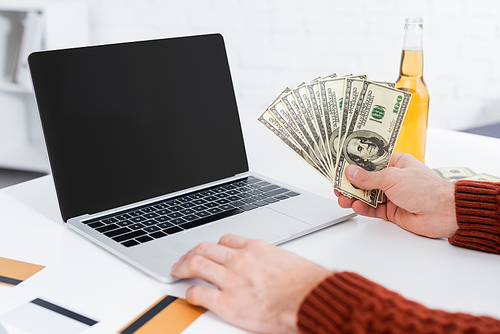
{"x": 187, "y": 211}
{"x": 165, "y": 225}
{"x": 202, "y": 213}
{"x": 96, "y": 224}
{"x": 119, "y": 231}
{"x": 109, "y": 220}
{"x": 151, "y": 215}
{"x": 163, "y": 212}
{"x": 214, "y": 210}
{"x": 151, "y": 229}
{"x": 174, "y": 215}
{"x": 107, "y": 228}
{"x": 144, "y": 238}
{"x": 136, "y": 226}
{"x": 130, "y": 243}
{"x": 129, "y": 235}
{"x": 124, "y": 223}
{"x": 158, "y": 235}
{"x": 199, "y": 201}
{"x": 211, "y": 204}
{"x": 281, "y": 197}
{"x": 177, "y": 221}
{"x": 162, "y": 219}
{"x": 149, "y": 222}
{"x": 269, "y": 188}
{"x": 190, "y": 217}
{"x": 248, "y": 207}
{"x": 260, "y": 203}
{"x": 138, "y": 219}
{"x": 199, "y": 208}
{"x": 222, "y": 201}
{"x": 209, "y": 219}
{"x": 173, "y": 230}
{"x": 226, "y": 207}
{"x": 292, "y": 194}
{"x": 188, "y": 205}
{"x": 276, "y": 192}
{"x": 271, "y": 200}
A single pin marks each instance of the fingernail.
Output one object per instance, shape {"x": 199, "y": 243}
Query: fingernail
{"x": 174, "y": 266}
{"x": 351, "y": 171}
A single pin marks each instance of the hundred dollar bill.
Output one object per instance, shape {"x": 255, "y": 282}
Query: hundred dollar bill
{"x": 451, "y": 174}
{"x": 300, "y": 120}
{"x": 482, "y": 177}
{"x": 305, "y": 108}
{"x": 278, "y": 110}
{"x": 277, "y": 129}
{"x": 371, "y": 136}
{"x": 352, "y": 87}
{"x": 318, "y": 111}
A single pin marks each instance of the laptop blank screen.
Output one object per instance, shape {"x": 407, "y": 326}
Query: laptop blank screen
{"x": 127, "y": 122}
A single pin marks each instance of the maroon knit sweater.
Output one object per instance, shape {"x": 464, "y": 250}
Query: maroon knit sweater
{"x": 348, "y": 303}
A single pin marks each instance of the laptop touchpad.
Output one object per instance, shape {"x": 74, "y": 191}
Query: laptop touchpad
{"x": 262, "y": 223}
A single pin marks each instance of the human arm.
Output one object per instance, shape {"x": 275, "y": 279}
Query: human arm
{"x": 266, "y": 289}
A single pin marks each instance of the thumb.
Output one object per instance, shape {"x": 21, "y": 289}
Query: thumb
{"x": 366, "y": 180}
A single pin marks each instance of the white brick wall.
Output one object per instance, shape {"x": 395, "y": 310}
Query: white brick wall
{"x": 276, "y": 43}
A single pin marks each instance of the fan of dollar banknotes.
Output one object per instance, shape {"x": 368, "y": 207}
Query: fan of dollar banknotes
{"x": 336, "y": 121}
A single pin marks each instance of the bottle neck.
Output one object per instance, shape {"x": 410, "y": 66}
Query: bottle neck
{"x": 412, "y": 59}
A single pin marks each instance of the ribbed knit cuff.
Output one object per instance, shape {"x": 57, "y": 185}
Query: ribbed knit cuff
{"x": 478, "y": 215}
{"x": 329, "y": 307}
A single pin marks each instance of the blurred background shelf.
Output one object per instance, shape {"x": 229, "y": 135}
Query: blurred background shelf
{"x": 22, "y": 146}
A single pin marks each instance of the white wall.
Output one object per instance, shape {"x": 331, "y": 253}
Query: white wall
{"x": 276, "y": 43}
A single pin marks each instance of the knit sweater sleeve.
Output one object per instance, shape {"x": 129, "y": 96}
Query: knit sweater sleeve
{"x": 348, "y": 303}
{"x": 478, "y": 215}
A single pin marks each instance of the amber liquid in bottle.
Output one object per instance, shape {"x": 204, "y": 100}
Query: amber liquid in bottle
{"x": 413, "y": 132}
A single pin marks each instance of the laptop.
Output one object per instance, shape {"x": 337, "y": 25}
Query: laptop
{"x": 147, "y": 153}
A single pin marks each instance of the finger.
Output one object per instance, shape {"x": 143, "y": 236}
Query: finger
{"x": 233, "y": 241}
{"x": 370, "y": 180}
{"x": 364, "y": 209}
{"x": 203, "y": 296}
{"x": 215, "y": 252}
{"x": 345, "y": 202}
{"x": 197, "y": 266}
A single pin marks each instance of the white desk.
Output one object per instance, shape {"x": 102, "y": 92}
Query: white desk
{"x": 88, "y": 280}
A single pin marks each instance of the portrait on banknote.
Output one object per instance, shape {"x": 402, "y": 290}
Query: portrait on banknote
{"x": 367, "y": 149}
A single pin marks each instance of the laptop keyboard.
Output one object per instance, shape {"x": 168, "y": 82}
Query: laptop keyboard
{"x": 166, "y": 217}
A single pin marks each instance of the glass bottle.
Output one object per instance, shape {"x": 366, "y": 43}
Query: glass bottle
{"x": 413, "y": 132}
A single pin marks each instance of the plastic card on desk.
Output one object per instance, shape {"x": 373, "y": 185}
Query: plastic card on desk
{"x": 13, "y": 272}
{"x": 41, "y": 317}
{"x": 169, "y": 315}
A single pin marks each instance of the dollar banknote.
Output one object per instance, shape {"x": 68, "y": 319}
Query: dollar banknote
{"x": 453, "y": 174}
{"x": 279, "y": 131}
{"x": 371, "y": 135}
{"x": 329, "y": 121}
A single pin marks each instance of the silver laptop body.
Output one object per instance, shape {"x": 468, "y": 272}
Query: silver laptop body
{"x": 155, "y": 123}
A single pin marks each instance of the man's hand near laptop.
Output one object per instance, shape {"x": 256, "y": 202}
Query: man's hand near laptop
{"x": 262, "y": 287}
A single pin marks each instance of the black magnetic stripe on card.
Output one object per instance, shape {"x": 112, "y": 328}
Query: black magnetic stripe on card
{"x": 149, "y": 315}
{"x": 63, "y": 311}
{"x": 10, "y": 281}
